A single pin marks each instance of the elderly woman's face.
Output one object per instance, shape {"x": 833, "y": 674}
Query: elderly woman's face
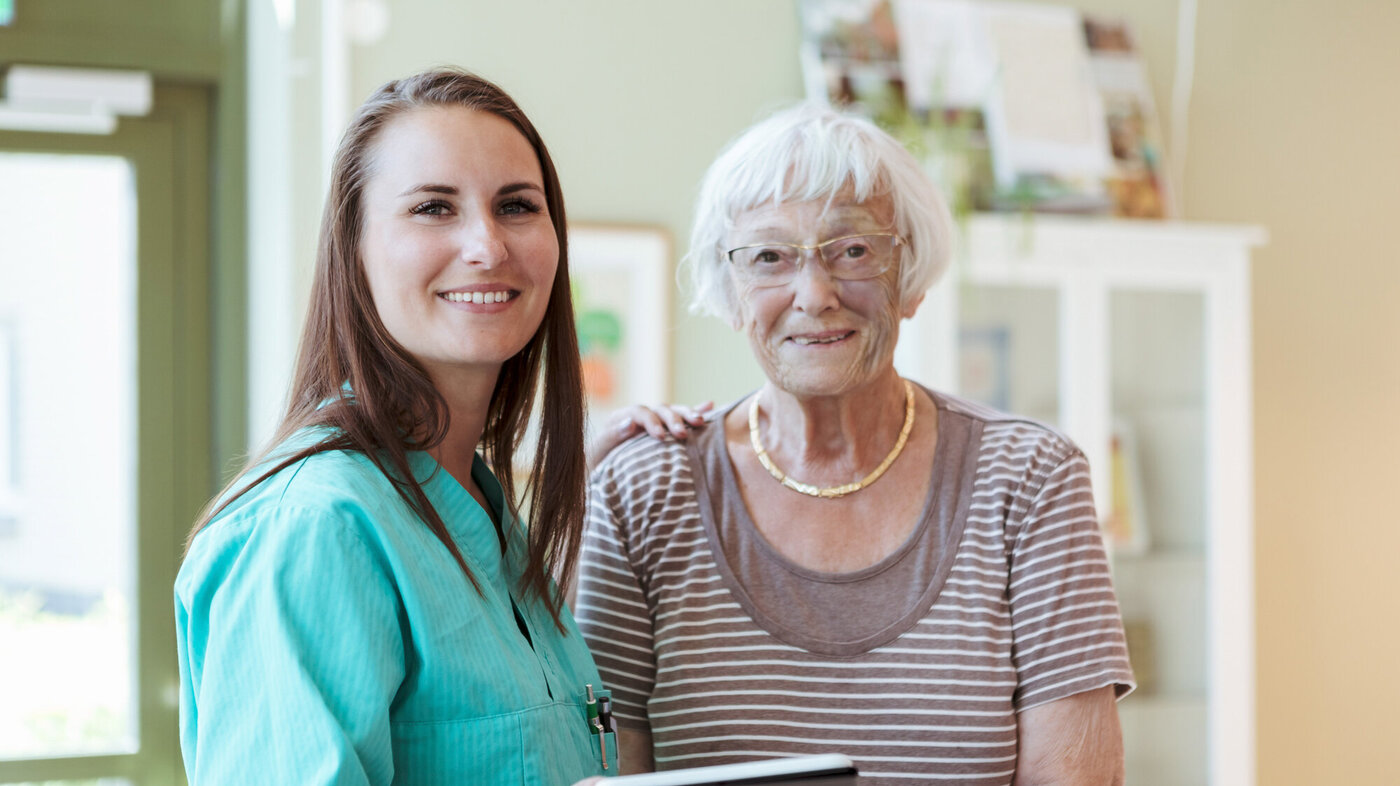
{"x": 818, "y": 335}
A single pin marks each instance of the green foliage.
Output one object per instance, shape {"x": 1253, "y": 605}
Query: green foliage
{"x": 67, "y": 679}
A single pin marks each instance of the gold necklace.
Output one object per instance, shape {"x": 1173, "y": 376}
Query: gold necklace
{"x": 834, "y": 491}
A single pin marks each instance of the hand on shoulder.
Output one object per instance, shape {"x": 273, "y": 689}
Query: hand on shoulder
{"x": 661, "y": 421}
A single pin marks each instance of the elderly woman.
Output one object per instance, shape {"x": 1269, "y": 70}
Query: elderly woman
{"x": 845, "y": 560}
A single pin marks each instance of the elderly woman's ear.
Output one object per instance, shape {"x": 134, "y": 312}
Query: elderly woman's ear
{"x": 912, "y": 306}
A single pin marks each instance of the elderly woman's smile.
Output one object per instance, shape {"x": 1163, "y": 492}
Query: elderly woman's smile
{"x": 819, "y": 339}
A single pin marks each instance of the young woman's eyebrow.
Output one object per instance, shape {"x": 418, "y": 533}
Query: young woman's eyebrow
{"x": 523, "y": 185}
{"x": 437, "y": 188}
{"x": 432, "y": 188}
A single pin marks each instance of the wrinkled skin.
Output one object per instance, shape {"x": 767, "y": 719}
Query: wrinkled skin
{"x": 819, "y": 336}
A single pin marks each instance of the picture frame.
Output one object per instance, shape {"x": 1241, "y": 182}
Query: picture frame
{"x": 1138, "y": 182}
{"x": 984, "y": 365}
{"x": 1045, "y": 117}
{"x": 1125, "y": 525}
{"x": 620, "y": 275}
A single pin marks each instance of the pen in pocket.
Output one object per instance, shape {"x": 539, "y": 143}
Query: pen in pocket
{"x": 595, "y": 723}
{"x": 605, "y": 714}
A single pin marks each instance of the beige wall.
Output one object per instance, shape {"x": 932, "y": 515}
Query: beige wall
{"x": 1293, "y": 122}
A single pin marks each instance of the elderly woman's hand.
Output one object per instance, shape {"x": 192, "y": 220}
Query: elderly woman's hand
{"x": 662, "y": 421}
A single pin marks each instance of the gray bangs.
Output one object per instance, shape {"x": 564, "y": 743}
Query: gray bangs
{"x": 802, "y": 163}
{"x": 802, "y": 154}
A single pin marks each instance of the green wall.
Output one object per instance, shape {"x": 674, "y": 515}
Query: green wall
{"x": 193, "y": 43}
{"x": 634, "y": 99}
{"x": 183, "y": 39}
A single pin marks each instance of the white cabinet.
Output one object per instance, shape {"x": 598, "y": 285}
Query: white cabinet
{"x": 1137, "y": 332}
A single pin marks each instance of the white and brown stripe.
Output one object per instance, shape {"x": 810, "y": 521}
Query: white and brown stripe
{"x": 1017, "y": 610}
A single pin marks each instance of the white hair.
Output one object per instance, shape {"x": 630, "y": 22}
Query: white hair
{"x": 812, "y": 152}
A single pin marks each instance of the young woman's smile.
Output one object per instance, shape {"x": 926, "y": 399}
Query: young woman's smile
{"x": 480, "y": 295}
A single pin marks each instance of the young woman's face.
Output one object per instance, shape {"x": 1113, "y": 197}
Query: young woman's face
{"x": 458, "y": 246}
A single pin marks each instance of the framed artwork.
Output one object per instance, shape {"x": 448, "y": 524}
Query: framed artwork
{"x": 620, "y": 276}
{"x": 1138, "y": 181}
{"x": 984, "y": 365}
{"x": 622, "y": 296}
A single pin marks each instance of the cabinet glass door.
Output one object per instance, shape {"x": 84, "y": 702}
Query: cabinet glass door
{"x": 1008, "y": 349}
{"x": 1132, "y": 338}
{"x": 1012, "y": 356}
{"x": 1156, "y": 527}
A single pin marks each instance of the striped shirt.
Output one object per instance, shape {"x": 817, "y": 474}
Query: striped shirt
{"x": 916, "y": 667}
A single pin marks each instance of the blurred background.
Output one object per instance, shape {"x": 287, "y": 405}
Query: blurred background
{"x": 156, "y": 245}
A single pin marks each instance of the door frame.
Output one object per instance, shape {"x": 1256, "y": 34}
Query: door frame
{"x": 170, "y": 154}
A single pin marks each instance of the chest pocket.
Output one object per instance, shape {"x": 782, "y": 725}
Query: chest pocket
{"x": 548, "y": 744}
{"x": 479, "y": 750}
{"x": 603, "y": 745}
{"x": 610, "y": 738}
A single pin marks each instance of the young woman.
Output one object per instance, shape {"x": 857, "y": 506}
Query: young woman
{"x": 363, "y": 604}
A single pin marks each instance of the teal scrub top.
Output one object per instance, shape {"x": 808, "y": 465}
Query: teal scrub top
{"x": 326, "y": 636}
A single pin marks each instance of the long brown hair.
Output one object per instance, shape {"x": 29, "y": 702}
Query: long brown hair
{"x": 392, "y": 406}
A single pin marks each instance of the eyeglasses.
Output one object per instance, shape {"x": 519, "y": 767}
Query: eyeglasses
{"x": 849, "y": 258}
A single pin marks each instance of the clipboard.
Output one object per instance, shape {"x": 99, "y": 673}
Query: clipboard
{"x": 823, "y": 769}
